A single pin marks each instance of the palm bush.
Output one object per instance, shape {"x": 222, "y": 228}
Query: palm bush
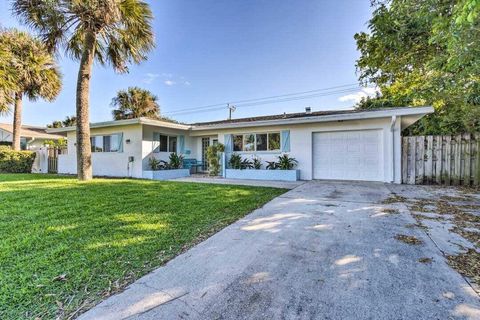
{"x": 286, "y": 163}
{"x": 176, "y": 161}
{"x": 235, "y": 161}
{"x": 135, "y": 103}
{"x": 213, "y": 158}
{"x": 257, "y": 163}
{"x": 272, "y": 165}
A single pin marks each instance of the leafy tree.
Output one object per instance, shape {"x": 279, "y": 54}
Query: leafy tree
{"x": 425, "y": 52}
{"x": 8, "y": 76}
{"x": 117, "y": 32}
{"x": 68, "y": 122}
{"x": 37, "y": 75}
{"x": 135, "y": 103}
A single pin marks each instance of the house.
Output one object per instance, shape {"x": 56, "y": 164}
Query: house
{"x": 344, "y": 145}
{"x": 31, "y": 137}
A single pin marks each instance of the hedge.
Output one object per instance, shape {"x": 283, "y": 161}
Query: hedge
{"x": 16, "y": 161}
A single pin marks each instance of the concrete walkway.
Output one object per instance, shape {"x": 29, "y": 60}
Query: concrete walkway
{"x": 323, "y": 250}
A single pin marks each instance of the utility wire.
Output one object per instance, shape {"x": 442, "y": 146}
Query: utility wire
{"x": 222, "y": 105}
{"x": 261, "y": 102}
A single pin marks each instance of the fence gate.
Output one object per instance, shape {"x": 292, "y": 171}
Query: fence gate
{"x": 53, "y": 159}
{"x": 449, "y": 160}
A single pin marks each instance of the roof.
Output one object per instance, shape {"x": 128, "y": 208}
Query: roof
{"x": 28, "y": 131}
{"x": 286, "y": 118}
{"x": 318, "y": 116}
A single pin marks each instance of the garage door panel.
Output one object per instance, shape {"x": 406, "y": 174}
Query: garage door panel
{"x": 348, "y": 155}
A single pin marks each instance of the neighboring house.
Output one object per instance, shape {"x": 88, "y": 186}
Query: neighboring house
{"x": 344, "y": 145}
{"x": 31, "y": 137}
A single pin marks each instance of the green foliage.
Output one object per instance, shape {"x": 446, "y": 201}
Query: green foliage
{"x": 425, "y": 52}
{"x": 135, "y": 103}
{"x": 272, "y": 165}
{"x": 5, "y": 143}
{"x": 60, "y": 143}
{"x": 246, "y": 164}
{"x": 235, "y": 161}
{"x": 156, "y": 164}
{"x": 286, "y": 163}
{"x": 176, "y": 161}
{"x": 68, "y": 122}
{"x": 257, "y": 163}
{"x": 66, "y": 245}
{"x": 16, "y": 161}
{"x": 213, "y": 158}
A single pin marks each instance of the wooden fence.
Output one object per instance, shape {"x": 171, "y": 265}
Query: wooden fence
{"x": 448, "y": 160}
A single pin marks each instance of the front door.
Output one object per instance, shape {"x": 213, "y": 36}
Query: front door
{"x": 205, "y": 145}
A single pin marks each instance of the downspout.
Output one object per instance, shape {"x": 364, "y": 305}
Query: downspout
{"x": 392, "y": 129}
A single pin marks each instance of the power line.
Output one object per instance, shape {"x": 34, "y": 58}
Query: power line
{"x": 208, "y": 107}
{"x": 262, "y": 101}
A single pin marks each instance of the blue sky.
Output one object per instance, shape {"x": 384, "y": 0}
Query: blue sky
{"x": 210, "y": 52}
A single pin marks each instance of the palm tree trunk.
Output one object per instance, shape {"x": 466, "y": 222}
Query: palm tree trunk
{"x": 17, "y": 121}
{"x": 84, "y": 153}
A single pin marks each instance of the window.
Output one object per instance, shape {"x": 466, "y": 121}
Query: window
{"x": 107, "y": 143}
{"x": 164, "y": 143}
{"x": 274, "y": 141}
{"x": 249, "y": 142}
{"x": 257, "y": 142}
{"x": 172, "y": 144}
{"x": 238, "y": 142}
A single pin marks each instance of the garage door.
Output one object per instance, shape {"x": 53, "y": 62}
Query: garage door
{"x": 348, "y": 155}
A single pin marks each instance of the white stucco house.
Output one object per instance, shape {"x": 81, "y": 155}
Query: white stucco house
{"x": 31, "y": 137}
{"x": 343, "y": 145}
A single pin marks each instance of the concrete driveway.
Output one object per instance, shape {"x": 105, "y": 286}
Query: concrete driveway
{"x": 324, "y": 250}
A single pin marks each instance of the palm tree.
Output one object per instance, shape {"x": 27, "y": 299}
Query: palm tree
{"x": 37, "y": 74}
{"x": 8, "y": 76}
{"x": 117, "y": 32}
{"x": 69, "y": 121}
{"x": 135, "y": 103}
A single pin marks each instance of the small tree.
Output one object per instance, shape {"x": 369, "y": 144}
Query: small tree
{"x": 213, "y": 157}
{"x": 135, "y": 103}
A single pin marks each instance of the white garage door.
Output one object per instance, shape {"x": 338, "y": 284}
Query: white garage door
{"x": 348, "y": 155}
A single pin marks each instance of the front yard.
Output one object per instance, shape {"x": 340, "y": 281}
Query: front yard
{"x": 65, "y": 245}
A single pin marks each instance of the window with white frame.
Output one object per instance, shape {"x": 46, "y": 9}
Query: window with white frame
{"x": 106, "y": 143}
{"x": 164, "y": 143}
{"x": 256, "y": 142}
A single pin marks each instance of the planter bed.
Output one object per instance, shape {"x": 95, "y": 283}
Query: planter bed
{"x": 252, "y": 174}
{"x": 166, "y": 174}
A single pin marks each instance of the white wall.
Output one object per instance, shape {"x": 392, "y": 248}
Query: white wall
{"x": 141, "y": 146}
{"x": 147, "y": 144}
{"x": 108, "y": 163}
{"x": 301, "y": 142}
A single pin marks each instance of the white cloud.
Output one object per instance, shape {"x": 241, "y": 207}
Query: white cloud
{"x": 169, "y": 82}
{"x": 357, "y": 96}
{"x": 150, "y": 77}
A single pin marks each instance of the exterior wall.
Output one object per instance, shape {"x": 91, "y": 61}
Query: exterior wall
{"x": 301, "y": 142}
{"x": 148, "y": 145}
{"x": 113, "y": 164}
{"x": 141, "y": 146}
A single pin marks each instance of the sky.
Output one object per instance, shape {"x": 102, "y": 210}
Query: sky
{"x": 217, "y": 52}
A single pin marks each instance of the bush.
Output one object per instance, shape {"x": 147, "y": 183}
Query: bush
{"x": 213, "y": 157}
{"x": 257, "y": 163}
{"x": 5, "y": 143}
{"x": 235, "y": 161}
{"x": 16, "y": 161}
{"x": 284, "y": 163}
{"x": 176, "y": 161}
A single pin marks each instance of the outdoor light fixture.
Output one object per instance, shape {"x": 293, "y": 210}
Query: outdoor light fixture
{"x": 127, "y": 141}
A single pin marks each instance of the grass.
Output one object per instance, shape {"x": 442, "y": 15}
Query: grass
{"x": 65, "y": 245}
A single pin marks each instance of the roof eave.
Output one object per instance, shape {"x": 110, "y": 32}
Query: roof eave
{"x": 323, "y": 118}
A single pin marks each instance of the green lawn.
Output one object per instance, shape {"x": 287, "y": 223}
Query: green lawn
{"x": 65, "y": 245}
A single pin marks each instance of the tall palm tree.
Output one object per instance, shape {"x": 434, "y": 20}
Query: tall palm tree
{"x": 37, "y": 74}
{"x": 8, "y": 76}
{"x": 117, "y": 32}
{"x": 135, "y": 103}
{"x": 69, "y": 121}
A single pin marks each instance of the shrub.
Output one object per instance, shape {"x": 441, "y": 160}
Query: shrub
{"x": 246, "y": 164}
{"x": 213, "y": 158}
{"x": 5, "y": 143}
{"x": 235, "y": 161}
{"x": 16, "y": 161}
{"x": 271, "y": 165}
{"x": 286, "y": 163}
{"x": 257, "y": 163}
{"x": 176, "y": 161}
